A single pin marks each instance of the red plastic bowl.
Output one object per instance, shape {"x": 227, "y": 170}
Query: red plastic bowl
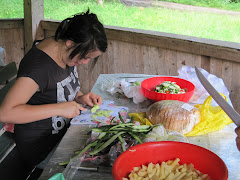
{"x": 149, "y": 84}
{"x": 204, "y": 160}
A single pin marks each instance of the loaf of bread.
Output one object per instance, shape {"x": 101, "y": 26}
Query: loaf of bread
{"x": 174, "y": 115}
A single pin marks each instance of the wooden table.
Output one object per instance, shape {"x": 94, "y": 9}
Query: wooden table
{"x": 221, "y": 142}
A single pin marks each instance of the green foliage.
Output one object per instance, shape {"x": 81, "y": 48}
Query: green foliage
{"x": 234, "y": 1}
{"x": 204, "y": 25}
{"x": 221, "y": 4}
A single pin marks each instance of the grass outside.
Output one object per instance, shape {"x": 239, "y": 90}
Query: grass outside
{"x": 205, "y": 25}
{"x": 219, "y": 4}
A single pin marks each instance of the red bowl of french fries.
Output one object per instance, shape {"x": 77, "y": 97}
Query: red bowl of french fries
{"x": 169, "y": 159}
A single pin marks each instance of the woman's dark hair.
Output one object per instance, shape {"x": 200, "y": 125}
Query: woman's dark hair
{"x": 85, "y": 31}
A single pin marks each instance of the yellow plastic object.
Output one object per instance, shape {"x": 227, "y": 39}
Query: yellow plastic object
{"x": 140, "y": 117}
{"x": 213, "y": 118}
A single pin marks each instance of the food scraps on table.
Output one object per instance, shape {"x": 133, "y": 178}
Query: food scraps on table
{"x": 125, "y": 134}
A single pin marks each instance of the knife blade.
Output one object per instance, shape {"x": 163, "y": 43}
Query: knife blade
{"x": 102, "y": 169}
{"x": 227, "y": 108}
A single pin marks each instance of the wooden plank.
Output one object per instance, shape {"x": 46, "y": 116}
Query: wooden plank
{"x": 227, "y": 68}
{"x": 146, "y": 59}
{"x": 156, "y": 61}
{"x": 205, "y": 63}
{"x": 139, "y": 52}
{"x": 15, "y": 46}
{"x": 117, "y": 54}
{"x": 172, "y": 62}
{"x": 127, "y": 64}
{"x": 12, "y": 42}
{"x": 49, "y": 34}
{"x": 196, "y": 60}
{"x": 184, "y": 59}
{"x": 235, "y": 86}
{"x": 50, "y": 25}
{"x": 12, "y": 23}
{"x": 84, "y": 78}
{"x": 216, "y": 67}
{"x": 107, "y": 60}
{"x": 162, "y": 66}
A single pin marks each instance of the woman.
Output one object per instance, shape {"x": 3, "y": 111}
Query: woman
{"x": 47, "y": 91}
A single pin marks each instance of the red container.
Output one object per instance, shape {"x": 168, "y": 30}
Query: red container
{"x": 203, "y": 160}
{"x": 149, "y": 84}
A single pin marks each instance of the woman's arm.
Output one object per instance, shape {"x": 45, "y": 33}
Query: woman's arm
{"x": 15, "y": 110}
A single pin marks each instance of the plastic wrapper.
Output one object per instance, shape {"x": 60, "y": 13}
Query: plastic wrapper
{"x": 213, "y": 118}
{"x": 106, "y": 158}
{"x": 159, "y": 133}
{"x": 200, "y": 94}
{"x": 129, "y": 89}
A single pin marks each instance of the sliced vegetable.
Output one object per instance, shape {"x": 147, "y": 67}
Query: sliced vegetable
{"x": 169, "y": 87}
{"x": 106, "y": 144}
{"x": 109, "y": 134}
{"x": 94, "y": 108}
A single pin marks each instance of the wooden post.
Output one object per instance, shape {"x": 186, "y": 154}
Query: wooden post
{"x": 33, "y": 14}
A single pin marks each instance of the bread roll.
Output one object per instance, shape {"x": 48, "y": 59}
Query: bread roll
{"x": 174, "y": 115}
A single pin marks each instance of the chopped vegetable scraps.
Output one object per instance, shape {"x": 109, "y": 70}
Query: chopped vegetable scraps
{"x": 169, "y": 87}
{"x": 124, "y": 133}
{"x": 94, "y": 108}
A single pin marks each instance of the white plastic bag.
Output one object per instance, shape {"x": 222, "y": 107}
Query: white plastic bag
{"x": 124, "y": 87}
{"x": 134, "y": 92}
{"x": 200, "y": 94}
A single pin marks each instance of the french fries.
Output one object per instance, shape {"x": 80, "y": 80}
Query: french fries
{"x": 170, "y": 170}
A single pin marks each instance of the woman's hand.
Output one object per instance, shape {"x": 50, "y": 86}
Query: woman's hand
{"x": 89, "y": 99}
{"x": 237, "y": 130}
{"x": 70, "y": 109}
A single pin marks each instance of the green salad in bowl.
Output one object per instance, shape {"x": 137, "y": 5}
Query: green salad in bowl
{"x": 169, "y": 87}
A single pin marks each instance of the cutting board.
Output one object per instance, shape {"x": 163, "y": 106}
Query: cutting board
{"x": 110, "y": 109}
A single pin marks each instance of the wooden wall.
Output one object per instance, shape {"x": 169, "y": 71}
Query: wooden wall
{"x": 12, "y": 39}
{"x": 149, "y": 52}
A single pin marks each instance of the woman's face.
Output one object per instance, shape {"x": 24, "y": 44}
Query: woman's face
{"x": 78, "y": 60}
{"x": 90, "y": 56}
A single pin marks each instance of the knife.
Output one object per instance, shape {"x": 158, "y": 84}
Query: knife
{"x": 218, "y": 98}
{"x": 102, "y": 169}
